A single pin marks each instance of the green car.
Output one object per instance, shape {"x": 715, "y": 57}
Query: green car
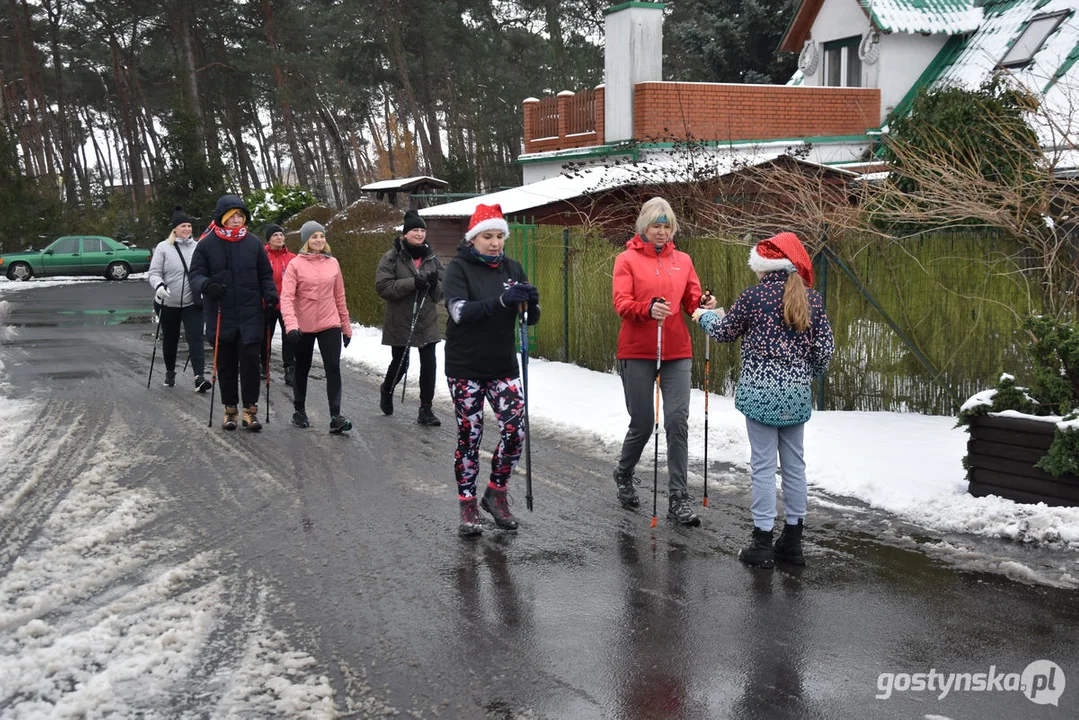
{"x": 77, "y": 255}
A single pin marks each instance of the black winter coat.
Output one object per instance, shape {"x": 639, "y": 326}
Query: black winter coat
{"x": 395, "y": 282}
{"x": 481, "y": 333}
{"x": 244, "y": 269}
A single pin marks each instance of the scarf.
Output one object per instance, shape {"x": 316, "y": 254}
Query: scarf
{"x": 415, "y": 251}
{"x": 229, "y": 234}
{"x": 492, "y": 260}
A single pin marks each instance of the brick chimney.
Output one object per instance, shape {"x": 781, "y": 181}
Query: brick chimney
{"x": 633, "y": 54}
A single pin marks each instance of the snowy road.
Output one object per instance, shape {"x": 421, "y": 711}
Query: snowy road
{"x": 152, "y": 567}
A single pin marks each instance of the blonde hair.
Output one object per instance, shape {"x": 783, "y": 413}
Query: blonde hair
{"x": 795, "y": 303}
{"x": 325, "y": 251}
{"x": 654, "y": 209}
{"x": 172, "y": 237}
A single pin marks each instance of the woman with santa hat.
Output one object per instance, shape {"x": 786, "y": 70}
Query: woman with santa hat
{"x": 485, "y": 291}
{"x": 786, "y": 343}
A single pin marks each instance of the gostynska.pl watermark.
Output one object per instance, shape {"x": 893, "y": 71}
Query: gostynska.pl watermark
{"x": 1041, "y": 682}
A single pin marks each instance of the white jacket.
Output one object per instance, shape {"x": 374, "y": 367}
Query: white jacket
{"x": 165, "y": 267}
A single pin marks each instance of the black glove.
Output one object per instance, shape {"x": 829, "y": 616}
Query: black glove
{"x": 214, "y": 291}
{"x": 432, "y": 278}
{"x": 294, "y": 336}
{"x": 271, "y": 304}
{"x": 347, "y": 340}
{"x": 421, "y": 282}
{"x": 515, "y": 294}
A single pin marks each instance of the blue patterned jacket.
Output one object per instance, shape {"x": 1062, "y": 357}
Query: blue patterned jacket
{"x": 778, "y": 363}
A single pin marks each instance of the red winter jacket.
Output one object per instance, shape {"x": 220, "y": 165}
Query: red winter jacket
{"x": 279, "y": 259}
{"x": 640, "y": 275}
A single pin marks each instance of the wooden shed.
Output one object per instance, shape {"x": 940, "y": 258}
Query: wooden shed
{"x": 403, "y": 192}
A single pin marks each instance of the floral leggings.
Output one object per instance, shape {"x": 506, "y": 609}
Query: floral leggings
{"x": 508, "y": 403}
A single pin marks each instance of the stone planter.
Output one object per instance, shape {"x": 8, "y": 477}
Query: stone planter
{"x": 1002, "y": 452}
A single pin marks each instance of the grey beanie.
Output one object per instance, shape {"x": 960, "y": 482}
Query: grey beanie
{"x": 309, "y": 228}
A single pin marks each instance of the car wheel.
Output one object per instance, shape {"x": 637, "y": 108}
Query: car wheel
{"x": 20, "y": 271}
{"x": 118, "y": 271}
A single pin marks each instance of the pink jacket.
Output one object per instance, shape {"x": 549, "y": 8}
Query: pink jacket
{"x": 313, "y": 295}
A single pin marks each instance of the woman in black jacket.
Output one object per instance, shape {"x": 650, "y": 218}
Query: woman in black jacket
{"x": 230, "y": 269}
{"x": 485, "y": 290}
{"x": 409, "y": 279}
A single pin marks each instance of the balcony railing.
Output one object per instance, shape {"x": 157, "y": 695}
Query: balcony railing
{"x": 569, "y": 120}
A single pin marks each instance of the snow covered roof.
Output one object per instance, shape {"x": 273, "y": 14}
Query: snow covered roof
{"x": 403, "y": 183}
{"x": 598, "y": 178}
{"x": 936, "y": 17}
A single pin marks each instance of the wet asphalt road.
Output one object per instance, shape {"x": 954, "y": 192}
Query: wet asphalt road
{"x": 585, "y": 613}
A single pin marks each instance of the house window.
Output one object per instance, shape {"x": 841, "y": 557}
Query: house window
{"x": 1034, "y": 35}
{"x": 842, "y": 67}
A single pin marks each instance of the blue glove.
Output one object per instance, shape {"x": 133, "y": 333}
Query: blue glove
{"x": 533, "y": 294}
{"x": 515, "y": 294}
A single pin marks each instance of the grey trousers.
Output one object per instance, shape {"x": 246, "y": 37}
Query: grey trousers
{"x": 639, "y": 385}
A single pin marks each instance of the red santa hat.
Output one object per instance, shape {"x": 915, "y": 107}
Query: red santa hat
{"x": 486, "y": 217}
{"x": 782, "y": 252}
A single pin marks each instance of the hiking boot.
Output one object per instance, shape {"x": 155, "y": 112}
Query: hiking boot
{"x": 385, "y": 400}
{"x": 251, "y": 421}
{"x": 290, "y": 376}
{"x": 231, "y": 415}
{"x": 679, "y": 508}
{"x": 627, "y": 494}
{"x": 759, "y": 553}
{"x": 299, "y": 419}
{"x": 471, "y": 522}
{"x": 340, "y": 424}
{"x": 788, "y": 547}
{"x": 202, "y": 384}
{"x": 496, "y": 501}
{"x": 427, "y": 417}
{"x": 170, "y": 378}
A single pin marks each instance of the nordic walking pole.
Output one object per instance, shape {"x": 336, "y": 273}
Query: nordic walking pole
{"x": 655, "y": 461}
{"x": 213, "y": 383}
{"x": 707, "y": 375}
{"x": 268, "y": 374}
{"x": 528, "y": 430}
{"x": 416, "y": 310}
{"x": 153, "y": 356}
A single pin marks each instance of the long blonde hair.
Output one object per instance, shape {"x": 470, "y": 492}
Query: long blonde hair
{"x": 795, "y": 303}
{"x": 325, "y": 251}
{"x": 172, "y": 237}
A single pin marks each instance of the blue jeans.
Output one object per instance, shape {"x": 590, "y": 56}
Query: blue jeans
{"x": 766, "y": 444}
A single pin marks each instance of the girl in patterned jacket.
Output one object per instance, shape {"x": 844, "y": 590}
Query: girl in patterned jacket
{"x": 786, "y": 343}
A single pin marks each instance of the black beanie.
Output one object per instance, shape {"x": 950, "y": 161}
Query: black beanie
{"x": 271, "y": 229}
{"x": 179, "y": 217}
{"x": 413, "y": 221}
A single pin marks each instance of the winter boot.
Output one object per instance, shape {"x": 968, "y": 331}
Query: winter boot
{"x": 627, "y": 494}
{"x": 496, "y": 502}
{"x": 340, "y": 424}
{"x": 290, "y": 375}
{"x": 427, "y": 417}
{"x": 251, "y": 421}
{"x": 471, "y": 522}
{"x": 788, "y": 547}
{"x": 679, "y": 509}
{"x": 202, "y": 384}
{"x": 299, "y": 418}
{"x": 385, "y": 400}
{"x": 759, "y": 553}
{"x": 170, "y": 378}
{"x": 231, "y": 414}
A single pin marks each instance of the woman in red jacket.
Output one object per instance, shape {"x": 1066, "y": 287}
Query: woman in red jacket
{"x": 280, "y": 256}
{"x": 313, "y": 304}
{"x": 655, "y": 283}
